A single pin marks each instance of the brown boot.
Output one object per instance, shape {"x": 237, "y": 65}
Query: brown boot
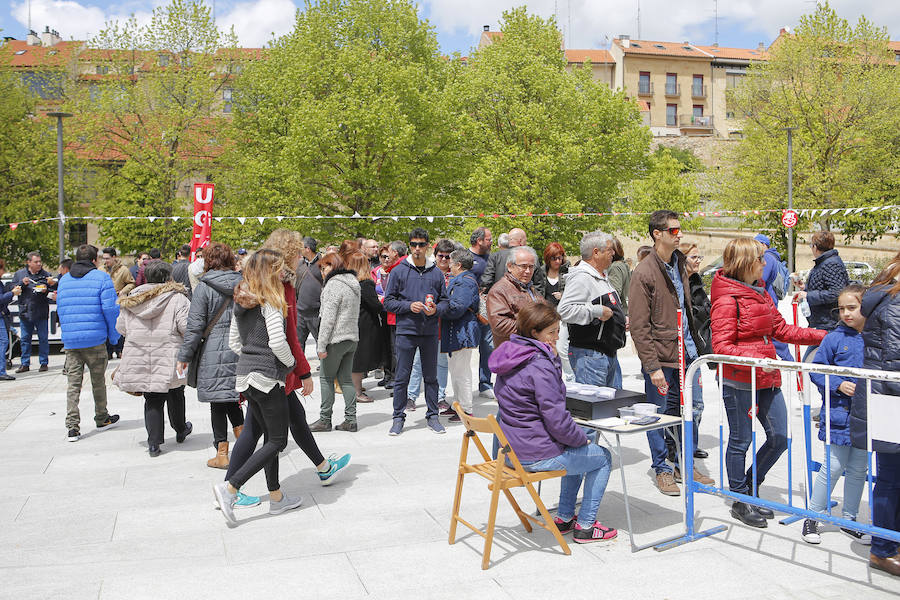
{"x": 891, "y": 564}
{"x": 237, "y": 431}
{"x": 220, "y": 460}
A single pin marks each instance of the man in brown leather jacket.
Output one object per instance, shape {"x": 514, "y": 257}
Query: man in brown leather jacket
{"x": 512, "y": 292}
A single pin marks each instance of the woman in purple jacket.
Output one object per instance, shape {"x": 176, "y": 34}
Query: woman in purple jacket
{"x": 532, "y": 399}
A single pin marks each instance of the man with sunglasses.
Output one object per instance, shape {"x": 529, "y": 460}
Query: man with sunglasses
{"x": 416, "y": 293}
{"x": 659, "y": 287}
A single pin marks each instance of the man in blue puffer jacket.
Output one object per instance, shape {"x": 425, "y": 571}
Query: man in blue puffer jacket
{"x": 87, "y": 310}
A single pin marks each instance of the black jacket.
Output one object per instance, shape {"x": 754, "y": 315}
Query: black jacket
{"x": 881, "y": 337}
{"x": 33, "y": 305}
{"x": 823, "y": 286}
{"x": 701, "y": 308}
{"x": 180, "y": 274}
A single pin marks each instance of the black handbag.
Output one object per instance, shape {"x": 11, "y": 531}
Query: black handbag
{"x": 194, "y": 365}
{"x": 612, "y": 337}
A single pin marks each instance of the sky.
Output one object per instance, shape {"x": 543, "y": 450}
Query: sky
{"x": 459, "y": 23}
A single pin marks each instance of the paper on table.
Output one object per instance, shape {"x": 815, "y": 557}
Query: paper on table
{"x": 608, "y": 422}
{"x": 884, "y": 415}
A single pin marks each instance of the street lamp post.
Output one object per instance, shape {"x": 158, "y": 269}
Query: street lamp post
{"x": 60, "y": 194}
{"x": 790, "y": 191}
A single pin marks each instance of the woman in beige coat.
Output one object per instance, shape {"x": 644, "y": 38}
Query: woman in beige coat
{"x": 153, "y": 319}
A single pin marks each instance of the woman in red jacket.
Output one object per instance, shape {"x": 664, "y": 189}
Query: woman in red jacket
{"x": 745, "y": 321}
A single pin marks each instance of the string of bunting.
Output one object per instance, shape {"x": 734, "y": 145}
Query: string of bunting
{"x": 805, "y": 212}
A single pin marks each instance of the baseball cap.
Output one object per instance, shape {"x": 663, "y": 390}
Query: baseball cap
{"x": 763, "y": 239}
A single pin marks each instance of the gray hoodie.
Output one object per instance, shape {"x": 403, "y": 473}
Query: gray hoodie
{"x": 583, "y": 284}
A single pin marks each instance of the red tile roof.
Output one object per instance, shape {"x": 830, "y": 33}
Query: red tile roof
{"x": 736, "y": 53}
{"x": 23, "y": 56}
{"x": 662, "y": 49}
{"x": 595, "y": 56}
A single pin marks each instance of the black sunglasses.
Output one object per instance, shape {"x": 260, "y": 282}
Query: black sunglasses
{"x": 418, "y": 244}
{"x": 385, "y": 256}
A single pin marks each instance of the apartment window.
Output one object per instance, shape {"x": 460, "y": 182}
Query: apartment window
{"x": 102, "y": 69}
{"x": 226, "y": 100}
{"x": 732, "y": 80}
{"x": 698, "y": 110}
{"x": 671, "y": 115}
{"x": 697, "y": 87}
{"x": 94, "y": 92}
{"x": 671, "y": 84}
{"x": 164, "y": 60}
{"x": 644, "y": 83}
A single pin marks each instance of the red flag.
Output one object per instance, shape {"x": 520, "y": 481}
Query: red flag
{"x": 203, "y": 207}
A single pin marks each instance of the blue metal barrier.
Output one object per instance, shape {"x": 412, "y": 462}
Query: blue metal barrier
{"x": 692, "y": 487}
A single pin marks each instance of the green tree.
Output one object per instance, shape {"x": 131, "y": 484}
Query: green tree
{"x": 347, "y": 115}
{"x": 663, "y": 186}
{"x": 543, "y": 139}
{"x": 27, "y": 173}
{"x": 839, "y": 86}
{"x": 151, "y": 112}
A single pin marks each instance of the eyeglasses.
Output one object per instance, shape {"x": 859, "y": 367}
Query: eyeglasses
{"x": 761, "y": 258}
{"x": 695, "y": 257}
{"x": 525, "y": 267}
{"x": 418, "y": 244}
{"x": 385, "y": 256}
{"x": 673, "y": 230}
{"x": 443, "y": 256}
{"x": 557, "y": 258}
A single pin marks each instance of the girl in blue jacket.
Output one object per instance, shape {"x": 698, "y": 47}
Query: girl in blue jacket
{"x": 842, "y": 347}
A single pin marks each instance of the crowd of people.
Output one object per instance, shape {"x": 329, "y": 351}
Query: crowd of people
{"x": 416, "y": 312}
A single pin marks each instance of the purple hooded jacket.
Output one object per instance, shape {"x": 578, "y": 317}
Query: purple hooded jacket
{"x": 532, "y": 399}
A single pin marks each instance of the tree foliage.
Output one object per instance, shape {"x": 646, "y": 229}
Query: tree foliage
{"x": 347, "y": 115}
{"x": 149, "y": 114}
{"x": 663, "y": 186}
{"x": 839, "y": 86}
{"x": 28, "y": 177}
{"x": 544, "y": 139}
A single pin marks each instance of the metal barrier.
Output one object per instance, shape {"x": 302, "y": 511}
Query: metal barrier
{"x": 692, "y": 487}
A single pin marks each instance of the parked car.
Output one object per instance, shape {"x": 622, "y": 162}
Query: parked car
{"x": 860, "y": 271}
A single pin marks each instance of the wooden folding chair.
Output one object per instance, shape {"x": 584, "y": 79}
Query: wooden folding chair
{"x": 501, "y": 478}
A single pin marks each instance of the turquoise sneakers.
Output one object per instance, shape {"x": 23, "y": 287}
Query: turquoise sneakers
{"x": 336, "y": 466}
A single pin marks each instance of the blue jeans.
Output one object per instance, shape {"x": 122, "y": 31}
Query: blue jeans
{"x": 697, "y": 412}
{"x": 590, "y": 463}
{"x": 669, "y": 404}
{"x": 886, "y": 502}
{"x": 772, "y": 414}
{"x": 485, "y": 347}
{"x": 415, "y": 378}
{"x": 595, "y": 368}
{"x": 855, "y": 462}
{"x": 27, "y": 329}
{"x": 4, "y": 344}
{"x": 406, "y": 346}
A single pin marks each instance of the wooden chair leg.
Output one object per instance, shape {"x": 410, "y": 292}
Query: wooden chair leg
{"x": 489, "y": 533}
{"x": 548, "y": 520}
{"x": 456, "y": 502}
{"x": 519, "y": 512}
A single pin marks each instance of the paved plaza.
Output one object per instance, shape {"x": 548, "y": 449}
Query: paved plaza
{"x": 101, "y": 519}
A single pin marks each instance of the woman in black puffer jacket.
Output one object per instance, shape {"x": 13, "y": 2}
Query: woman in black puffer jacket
{"x": 881, "y": 336}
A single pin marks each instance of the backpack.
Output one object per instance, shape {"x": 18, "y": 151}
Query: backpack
{"x": 782, "y": 280}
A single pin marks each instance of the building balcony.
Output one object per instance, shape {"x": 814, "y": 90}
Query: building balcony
{"x": 698, "y": 91}
{"x": 673, "y": 89}
{"x": 645, "y": 88}
{"x": 690, "y": 124}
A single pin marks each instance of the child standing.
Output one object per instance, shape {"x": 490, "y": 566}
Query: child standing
{"x": 258, "y": 337}
{"x": 842, "y": 347}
